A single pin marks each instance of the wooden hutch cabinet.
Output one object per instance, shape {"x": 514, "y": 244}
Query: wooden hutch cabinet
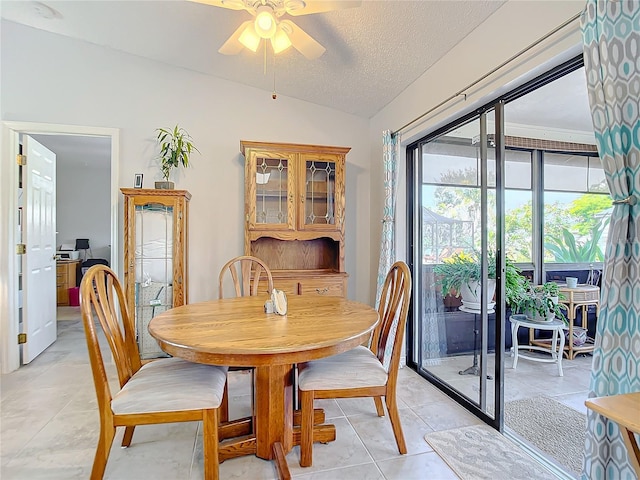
{"x": 155, "y": 257}
{"x": 294, "y": 214}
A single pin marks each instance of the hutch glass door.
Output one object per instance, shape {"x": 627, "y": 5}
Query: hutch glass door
{"x": 274, "y": 197}
{"x": 320, "y": 185}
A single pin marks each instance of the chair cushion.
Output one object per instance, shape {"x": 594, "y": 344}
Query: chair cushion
{"x": 352, "y": 369}
{"x": 171, "y": 384}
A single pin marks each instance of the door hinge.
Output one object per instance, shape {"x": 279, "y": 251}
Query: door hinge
{"x": 22, "y": 338}
{"x": 21, "y": 159}
{"x": 21, "y": 249}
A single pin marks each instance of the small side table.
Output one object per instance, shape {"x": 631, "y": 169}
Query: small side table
{"x": 556, "y": 326}
{"x": 622, "y": 409}
{"x": 580, "y": 297}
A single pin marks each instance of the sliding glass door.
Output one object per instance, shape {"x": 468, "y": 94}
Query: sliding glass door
{"x": 512, "y": 195}
{"x": 456, "y": 203}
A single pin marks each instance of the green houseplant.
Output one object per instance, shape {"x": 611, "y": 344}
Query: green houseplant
{"x": 461, "y": 272}
{"x": 540, "y": 302}
{"x": 459, "y": 269}
{"x": 176, "y": 146}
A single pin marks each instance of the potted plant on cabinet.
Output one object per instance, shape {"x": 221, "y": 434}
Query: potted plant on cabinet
{"x": 176, "y": 146}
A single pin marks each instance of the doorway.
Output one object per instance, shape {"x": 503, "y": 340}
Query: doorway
{"x": 9, "y": 261}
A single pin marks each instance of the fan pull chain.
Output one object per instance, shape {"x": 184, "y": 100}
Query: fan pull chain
{"x": 274, "y": 95}
{"x": 265, "y": 58}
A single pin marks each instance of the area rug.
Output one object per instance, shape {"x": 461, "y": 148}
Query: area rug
{"x": 480, "y": 452}
{"x": 552, "y": 427}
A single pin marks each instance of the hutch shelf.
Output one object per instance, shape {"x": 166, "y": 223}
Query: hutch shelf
{"x": 294, "y": 214}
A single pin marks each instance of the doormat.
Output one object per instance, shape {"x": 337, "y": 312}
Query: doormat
{"x": 480, "y": 452}
{"x": 552, "y": 427}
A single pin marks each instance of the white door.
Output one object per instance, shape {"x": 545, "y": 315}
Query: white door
{"x": 39, "y": 236}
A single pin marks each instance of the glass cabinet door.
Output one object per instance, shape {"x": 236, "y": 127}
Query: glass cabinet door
{"x": 321, "y": 207}
{"x": 153, "y": 258}
{"x": 273, "y": 193}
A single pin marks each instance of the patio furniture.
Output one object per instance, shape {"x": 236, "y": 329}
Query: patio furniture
{"x": 553, "y": 348}
{"x": 582, "y": 297}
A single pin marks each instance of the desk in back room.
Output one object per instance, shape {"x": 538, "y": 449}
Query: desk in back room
{"x": 66, "y": 271}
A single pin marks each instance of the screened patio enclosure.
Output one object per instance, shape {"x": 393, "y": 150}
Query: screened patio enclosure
{"x": 443, "y": 236}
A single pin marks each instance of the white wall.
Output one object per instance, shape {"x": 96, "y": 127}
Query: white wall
{"x": 53, "y": 79}
{"x": 83, "y": 206}
{"x": 516, "y": 25}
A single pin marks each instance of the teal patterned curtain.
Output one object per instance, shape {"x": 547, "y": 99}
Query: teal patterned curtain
{"x": 390, "y": 152}
{"x": 611, "y": 33}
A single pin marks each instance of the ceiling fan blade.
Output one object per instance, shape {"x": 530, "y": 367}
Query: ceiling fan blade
{"x": 233, "y": 46}
{"x": 230, "y": 4}
{"x": 297, "y": 7}
{"x": 302, "y": 41}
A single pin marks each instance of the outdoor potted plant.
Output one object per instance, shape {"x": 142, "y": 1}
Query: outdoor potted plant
{"x": 459, "y": 275}
{"x": 175, "y": 148}
{"x": 540, "y": 302}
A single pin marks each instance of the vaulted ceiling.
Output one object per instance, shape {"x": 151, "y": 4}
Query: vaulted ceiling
{"x": 373, "y": 52}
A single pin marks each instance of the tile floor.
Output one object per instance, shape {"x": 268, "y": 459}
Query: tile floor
{"x": 529, "y": 379}
{"x": 49, "y": 425}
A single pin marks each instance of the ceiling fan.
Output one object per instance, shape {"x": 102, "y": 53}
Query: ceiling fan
{"x": 268, "y": 24}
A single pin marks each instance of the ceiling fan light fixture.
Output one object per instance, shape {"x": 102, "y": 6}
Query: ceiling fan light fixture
{"x": 249, "y": 38}
{"x": 265, "y": 24}
{"x": 280, "y": 41}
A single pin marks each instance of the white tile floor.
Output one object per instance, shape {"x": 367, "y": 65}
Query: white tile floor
{"x": 49, "y": 426}
{"x": 529, "y": 379}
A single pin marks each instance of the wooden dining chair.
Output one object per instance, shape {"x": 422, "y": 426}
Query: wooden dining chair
{"x": 245, "y": 272}
{"x": 166, "y": 390}
{"x": 361, "y": 372}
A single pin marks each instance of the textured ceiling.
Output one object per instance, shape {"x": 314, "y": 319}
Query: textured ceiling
{"x": 373, "y": 52}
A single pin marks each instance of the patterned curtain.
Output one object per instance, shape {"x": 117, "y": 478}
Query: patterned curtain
{"x": 390, "y": 152}
{"x": 611, "y": 33}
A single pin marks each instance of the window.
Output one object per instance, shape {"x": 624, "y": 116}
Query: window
{"x": 451, "y": 199}
{"x": 577, "y": 207}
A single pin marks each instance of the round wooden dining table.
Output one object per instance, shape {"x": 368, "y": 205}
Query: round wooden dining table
{"x": 238, "y": 332}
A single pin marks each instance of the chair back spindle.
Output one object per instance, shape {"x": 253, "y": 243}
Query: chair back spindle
{"x": 246, "y": 272}
{"x": 393, "y": 309}
{"x": 103, "y": 297}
